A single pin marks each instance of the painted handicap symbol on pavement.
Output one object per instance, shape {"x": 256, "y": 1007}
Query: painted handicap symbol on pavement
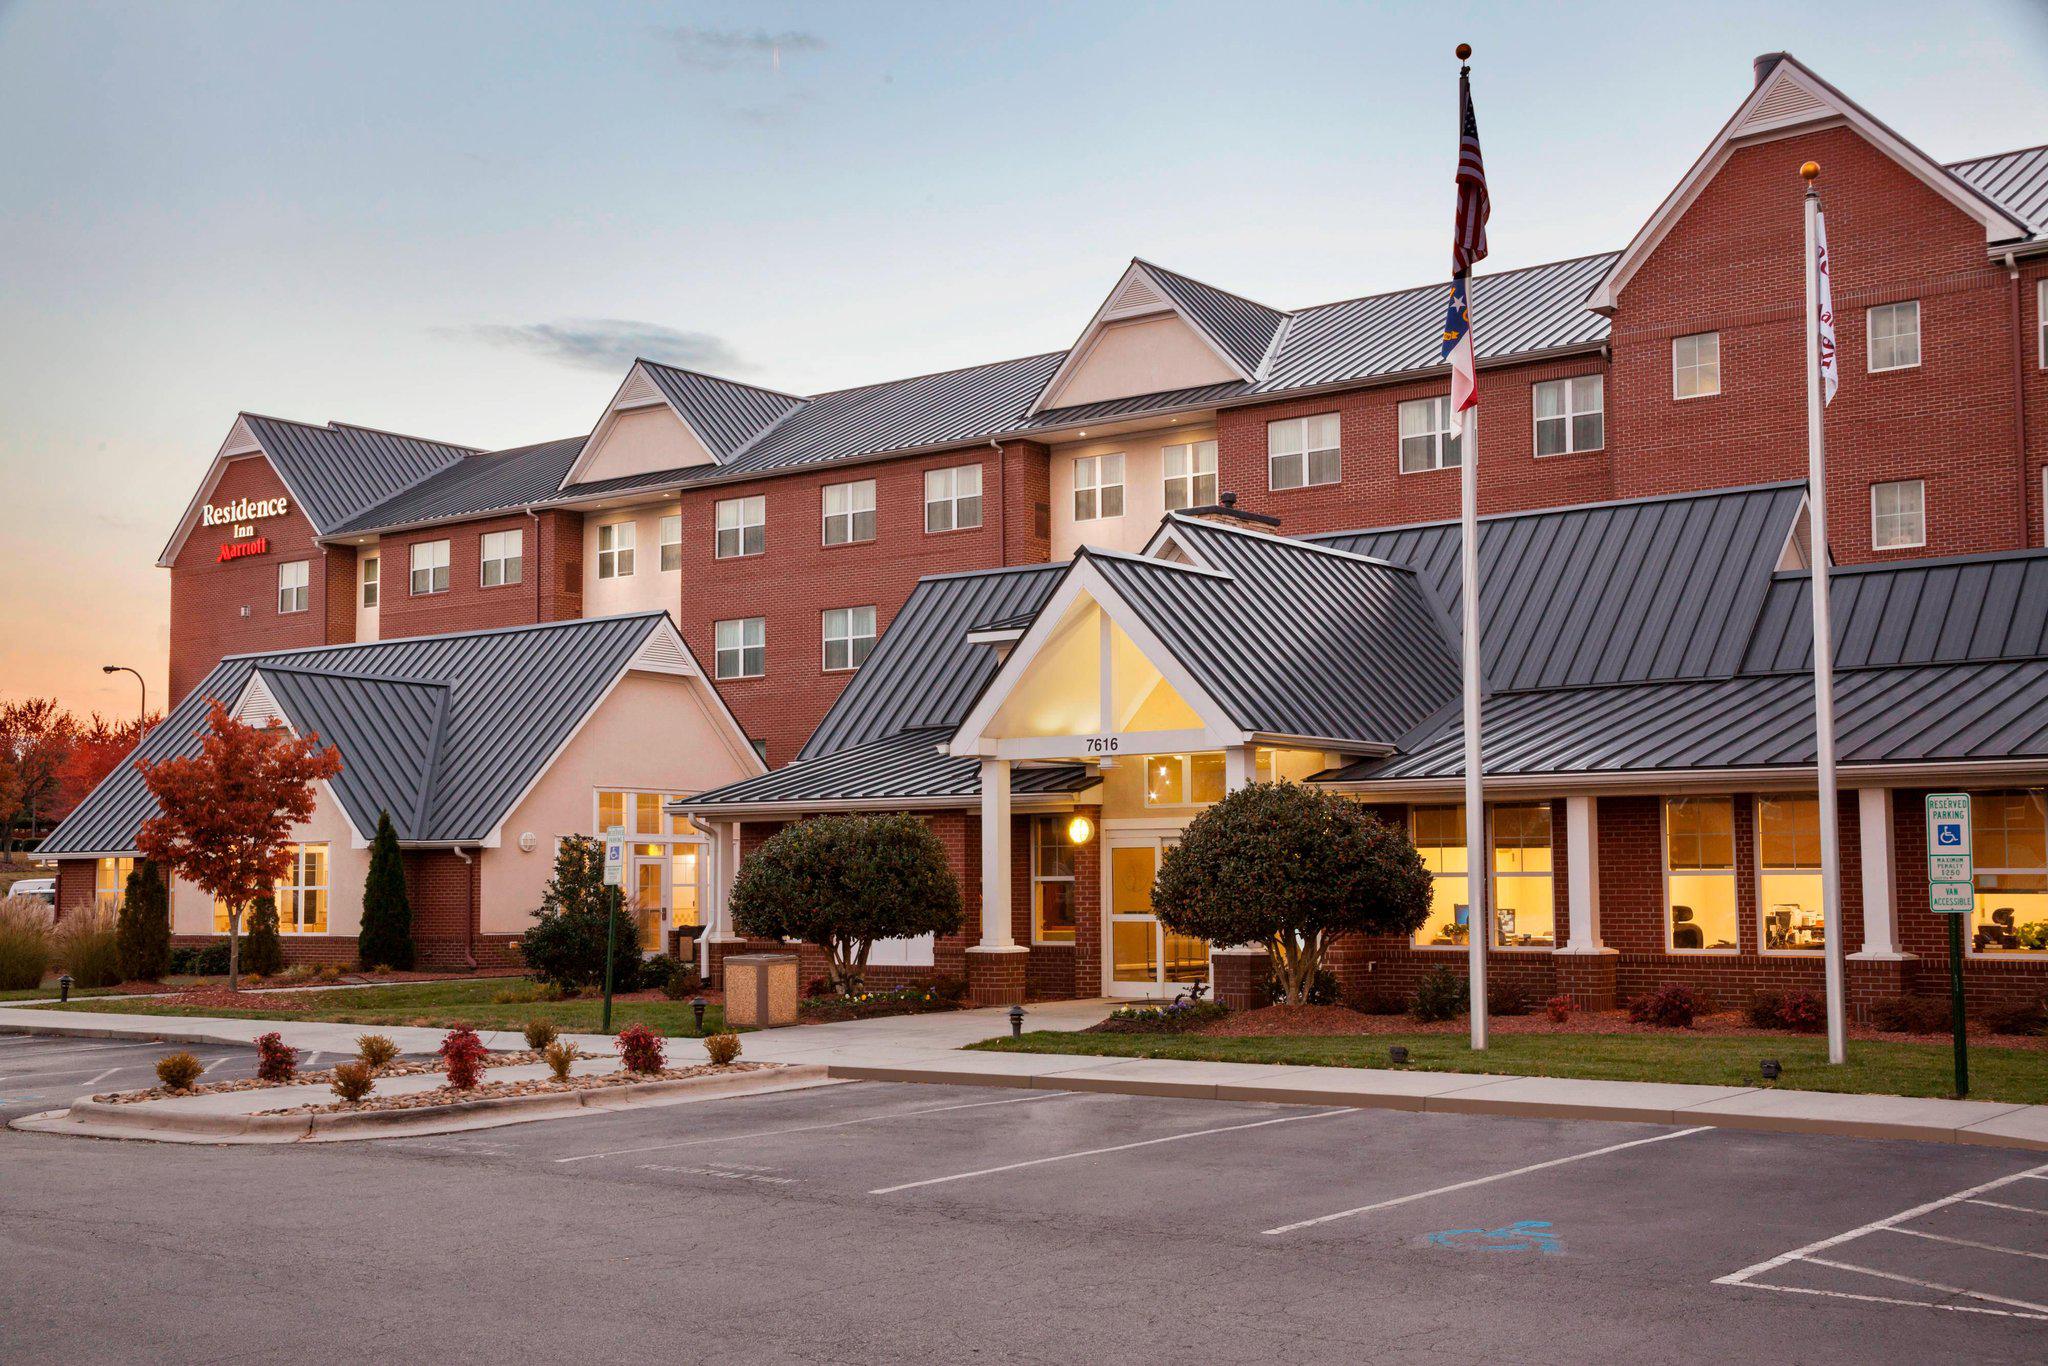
{"x": 1524, "y": 1235}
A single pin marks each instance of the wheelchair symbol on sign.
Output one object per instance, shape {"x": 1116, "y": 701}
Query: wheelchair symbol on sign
{"x": 1948, "y": 834}
{"x": 1524, "y": 1235}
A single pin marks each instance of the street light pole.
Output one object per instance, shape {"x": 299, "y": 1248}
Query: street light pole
{"x": 143, "y": 714}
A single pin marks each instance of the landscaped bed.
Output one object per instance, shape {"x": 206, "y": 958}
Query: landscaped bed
{"x": 404, "y": 1067}
{"x": 821, "y": 1008}
{"x": 536, "y": 1086}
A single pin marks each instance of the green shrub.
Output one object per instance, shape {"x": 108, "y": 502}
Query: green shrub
{"x": 143, "y": 934}
{"x": 560, "y": 1057}
{"x": 722, "y": 1048}
{"x": 25, "y": 947}
{"x": 207, "y": 960}
{"x": 1440, "y": 995}
{"x": 88, "y": 946}
{"x": 1180, "y": 1017}
{"x": 682, "y": 984}
{"x": 376, "y": 1051}
{"x": 1765, "y": 1010}
{"x": 2025, "y": 1018}
{"x": 540, "y": 1033}
{"x": 353, "y": 1080}
{"x": 262, "y": 950}
{"x": 1671, "y": 1006}
{"x": 177, "y": 1071}
{"x": 1508, "y": 998}
{"x": 656, "y": 970}
{"x": 386, "y": 936}
{"x": 1911, "y": 1014}
{"x": 566, "y": 946}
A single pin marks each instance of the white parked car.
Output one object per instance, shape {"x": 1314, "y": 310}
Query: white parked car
{"x": 43, "y": 889}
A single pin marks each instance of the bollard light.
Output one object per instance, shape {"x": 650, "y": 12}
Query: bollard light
{"x": 64, "y": 987}
{"x": 1016, "y": 1022}
{"x": 1770, "y": 1068}
{"x": 1397, "y": 1054}
{"x": 697, "y": 1004}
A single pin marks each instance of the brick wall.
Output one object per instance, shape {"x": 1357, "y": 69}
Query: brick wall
{"x": 468, "y": 605}
{"x": 446, "y": 893}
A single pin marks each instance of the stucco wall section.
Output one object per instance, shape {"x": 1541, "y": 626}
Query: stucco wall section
{"x": 347, "y": 866}
{"x": 1143, "y": 356}
{"x": 640, "y": 441}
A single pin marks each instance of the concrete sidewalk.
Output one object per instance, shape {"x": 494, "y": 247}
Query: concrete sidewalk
{"x": 928, "y": 1048}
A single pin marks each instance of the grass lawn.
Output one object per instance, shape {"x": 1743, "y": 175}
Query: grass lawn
{"x": 49, "y": 993}
{"x": 441, "y": 1005}
{"x": 2016, "y": 1075}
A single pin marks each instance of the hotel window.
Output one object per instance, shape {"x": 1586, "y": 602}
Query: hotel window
{"x": 1302, "y": 450}
{"x": 952, "y": 498}
{"x": 1052, "y": 882}
{"x": 292, "y": 593}
{"x": 1898, "y": 515}
{"x": 300, "y": 896}
{"x": 1190, "y": 475}
{"x": 1570, "y": 415}
{"x": 1098, "y": 487}
{"x": 110, "y": 883}
{"x": 1439, "y": 835}
{"x": 1696, "y": 365}
{"x": 741, "y": 648}
{"x": 1524, "y": 892}
{"x": 849, "y": 636}
{"x": 371, "y": 567}
{"x": 1788, "y": 890}
{"x": 615, "y": 550}
{"x": 1894, "y": 336}
{"x": 429, "y": 567}
{"x": 2009, "y": 852}
{"x": 1699, "y": 873}
{"x": 503, "y": 562}
{"x": 671, "y": 543}
{"x": 850, "y": 512}
{"x": 2041, "y": 318}
{"x": 742, "y": 528}
{"x": 1184, "y": 779}
{"x": 1426, "y": 439}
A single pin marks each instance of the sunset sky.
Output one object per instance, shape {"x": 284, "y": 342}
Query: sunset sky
{"x": 463, "y": 221}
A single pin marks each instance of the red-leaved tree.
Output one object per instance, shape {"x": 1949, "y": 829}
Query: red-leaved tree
{"x": 97, "y": 748}
{"x": 225, "y": 815}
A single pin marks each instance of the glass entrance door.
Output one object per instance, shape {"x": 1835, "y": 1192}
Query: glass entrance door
{"x": 1145, "y": 959}
{"x": 649, "y": 892}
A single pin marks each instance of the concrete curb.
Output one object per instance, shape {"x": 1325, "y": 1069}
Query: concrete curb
{"x": 90, "y": 1118}
{"x": 1997, "y": 1125}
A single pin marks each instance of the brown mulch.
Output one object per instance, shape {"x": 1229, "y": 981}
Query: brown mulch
{"x": 1325, "y": 1021}
{"x": 402, "y": 1067}
{"x": 446, "y": 1095}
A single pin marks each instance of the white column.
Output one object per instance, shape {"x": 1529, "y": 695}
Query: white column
{"x": 1880, "y": 876}
{"x": 995, "y": 855}
{"x": 1582, "y": 874}
{"x": 1239, "y": 767}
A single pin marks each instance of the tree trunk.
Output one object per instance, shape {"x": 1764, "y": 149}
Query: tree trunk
{"x": 234, "y": 948}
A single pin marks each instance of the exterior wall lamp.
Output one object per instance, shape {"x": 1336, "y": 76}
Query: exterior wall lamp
{"x": 1080, "y": 830}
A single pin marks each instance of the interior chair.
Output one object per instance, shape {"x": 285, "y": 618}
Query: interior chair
{"x": 1684, "y": 933}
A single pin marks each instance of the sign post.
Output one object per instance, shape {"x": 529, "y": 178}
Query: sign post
{"x": 614, "y": 879}
{"x": 1951, "y": 892}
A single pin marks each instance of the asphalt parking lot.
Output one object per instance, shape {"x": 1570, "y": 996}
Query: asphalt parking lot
{"x": 901, "y": 1222}
{"x": 47, "y": 1073}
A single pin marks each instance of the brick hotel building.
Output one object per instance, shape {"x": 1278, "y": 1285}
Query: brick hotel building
{"x": 1207, "y": 543}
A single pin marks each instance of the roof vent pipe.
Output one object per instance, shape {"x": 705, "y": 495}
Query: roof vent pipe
{"x": 1763, "y": 66}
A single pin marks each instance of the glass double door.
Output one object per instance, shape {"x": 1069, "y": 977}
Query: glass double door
{"x": 1146, "y": 960}
{"x": 665, "y": 890}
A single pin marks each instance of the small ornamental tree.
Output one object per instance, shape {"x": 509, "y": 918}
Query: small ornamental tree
{"x": 225, "y": 815}
{"x": 143, "y": 936}
{"x": 566, "y": 945}
{"x": 843, "y": 882}
{"x": 262, "y": 950}
{"x": 1289, "y": 868}
{"x": 386, "y": 935}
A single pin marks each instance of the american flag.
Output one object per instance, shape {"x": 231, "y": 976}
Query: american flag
{"x": 1468, "y": 240}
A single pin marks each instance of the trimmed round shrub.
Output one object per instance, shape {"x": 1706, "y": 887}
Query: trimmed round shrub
{"x": 177, "y": 1071}
{"x": 1911, "y": 1014}
{"x": 540, "y": 1033}
{"x": 376, "y": 1051}
{"x": 276, "y": 1060}
{"x": 1559, "y": 1008}
{"x": 682, "y": 984}
{"x": 1440, "y": 995}
{"x": 641, "y": 1049}
{"x": 722, "y": 1048}
{"x": 1803, "y": 1011}
{"x": 353, "y": 1080}
{"x": 1671, "y": 1006}
{"x": 464, "y": 1054}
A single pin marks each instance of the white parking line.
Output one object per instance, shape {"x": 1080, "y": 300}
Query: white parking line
{"x": 103, "y": 1076}
{"x": 1986, "y": 1296}
{"x": 1892, "y": 1299}
{"x": 810, "y": 1128}
{"x": 1965, "y": 1242}
{"x": 1481, "y": 1181}
{"x": 2016, "y": 1209}
{"x": 1097, "y": 1152}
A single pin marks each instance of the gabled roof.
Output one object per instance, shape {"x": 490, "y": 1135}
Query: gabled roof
{"x": 1791, "y": 96}
{"x": 447, "y": 732}
{"x": 493, "y": 481}
{"x": 338, "y": 471}
{"x": 1943, "y": 611}
{"x": 724, "y": 413}
{"x": 2016, "y": 181}
{"x": 1243, "y": 329}
{"x": 904, "y": 768}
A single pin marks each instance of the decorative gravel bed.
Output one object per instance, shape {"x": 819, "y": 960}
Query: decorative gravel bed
{"x": 539, "y": 1086}
{"x": 401, "y": 1068}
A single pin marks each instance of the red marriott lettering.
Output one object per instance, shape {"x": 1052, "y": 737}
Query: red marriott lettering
{"x": 235, "y": 550}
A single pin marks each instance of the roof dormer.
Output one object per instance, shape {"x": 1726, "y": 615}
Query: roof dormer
{"x": 663, "y": 418}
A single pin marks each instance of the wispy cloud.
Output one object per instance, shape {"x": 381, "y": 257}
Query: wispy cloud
{"x": 712, "y": 49}
{"x": 608, "y": 343}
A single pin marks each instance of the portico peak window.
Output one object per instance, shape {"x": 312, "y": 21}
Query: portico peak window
{"x": 1060, "y": 693}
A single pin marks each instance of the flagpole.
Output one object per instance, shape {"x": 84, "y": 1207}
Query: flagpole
{"x": 1478, "y": 929}
{"x": 1823, "y": 638}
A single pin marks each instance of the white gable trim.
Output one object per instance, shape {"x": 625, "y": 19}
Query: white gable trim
{"x": 1138, "y": 294}
{"x": 636, "y": 392}
{"x": 1793, "y": 99}
{"x": 241, "y": 444}
{"x": 256, "y": 706}
{"x": 1085, "y": 580}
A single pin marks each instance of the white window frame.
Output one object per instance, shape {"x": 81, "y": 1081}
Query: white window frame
{"x": 2041, "y": 318}
{"x": 1694, "y": 367}
{"x": 671, "y": 543}
{"x": 504, "y": 551}
{"x": 1446, "y": 452}
{"x": 616, "y": 542}
{"x": 843, "y": 626}
{"x": 369, "y": 579}
{"x": 290, "y": 889}
{"x": 1970, "y": 949}
{"x": 1574, "y": 409}
{"x": 1733, "y": 874}
{"x": 1495, "y": 877}
{"x": 858, "y": 500}
{"x": 433, "y": 563}
{"x": 1870, "y": 336}
{"x": 1875, "y": 544}
{"x": 1096, "y": 479}
{"x": 745, "y": 522}
{"x": 747, "y": 635}
{"x": 1197, "y": 471}
{"x": 1057, "y": 825}
{"x": 1764, "y": 870}
{"x": 294, "y": 587}
{"x": 1289, "y": 439}
{"x": 946, "y": 491}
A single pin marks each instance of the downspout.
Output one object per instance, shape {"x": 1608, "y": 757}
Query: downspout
{"x": 1002, "y": 506}
{"x": 2019, "y": 395}
{"x": 536, "y": 565}
{"x": 469, "y": 919}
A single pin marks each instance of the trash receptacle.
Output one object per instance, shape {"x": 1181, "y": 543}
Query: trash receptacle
{"x": 760, "y": 990}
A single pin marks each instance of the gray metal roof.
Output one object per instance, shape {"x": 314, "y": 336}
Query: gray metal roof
{"x": 2015, "y": 181}
{"x": 1243, "y": 329}
{"x": 906, "y": 766}
{"x": 725, "y": 413}
{"x": 512, "y": 697}
{"x": 1979, "y": 607}
{"x": 923, "y": 671}
{"x": 1665, "y": 587}
{"x": 1110, "y": 409}
{"x": 1292, "y": 638}
{"x": 338, "y": 471}
{"x": 490, "y": 482}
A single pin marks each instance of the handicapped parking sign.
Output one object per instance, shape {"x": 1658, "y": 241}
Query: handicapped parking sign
{"x": 1948, "y": 849}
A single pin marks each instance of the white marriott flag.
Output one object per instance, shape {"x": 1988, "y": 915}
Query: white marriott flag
{"x": 1830, "y": 363}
